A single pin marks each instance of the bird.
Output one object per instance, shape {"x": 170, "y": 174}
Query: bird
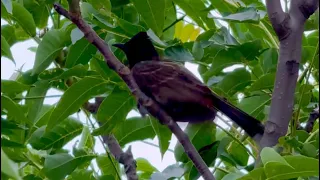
{"x": 177, "y": 90}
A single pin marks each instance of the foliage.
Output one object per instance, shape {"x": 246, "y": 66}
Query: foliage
{"x": 215, "y": 35}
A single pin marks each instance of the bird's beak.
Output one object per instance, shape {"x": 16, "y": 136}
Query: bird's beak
{"x": 120, "y": 46}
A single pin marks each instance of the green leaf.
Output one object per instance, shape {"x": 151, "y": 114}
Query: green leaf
{"x": 300, "y": 166}
{"x": 152, "y": 13}
{"x": 113, "y": 110}
{"x": 222, "y": 59}
{"x": 82, "y": 174}
{"x": 197, "y": 11}
{"x": 87, "y": 140}
{"x": 163, "y": 133}
{"x": 257, "y": 173}
{"x": 264, "y": 82}
{"x": 104, "y": 70}
{"x": 80, "y": 53}
{"x": 107, "y": 165}
{"x": 133, "y": 129}
{"x": 75, "y": 96}
{"x": 9, "y": 167}
{"x": 39, "y": 11}
{"x": 270, "y": 155}
{"x": 230, "y": 83}
{"x": 169, "y": 172}
{"x": 130, "y": 28}
{"x": 23, "y": 18}
{"x": 232, "y": 176}
{"x": 200, "y": 135}
{"x": 12, "y": 144}
{"x": 170, "y": 17}
{"x": 238, "y": 153}
{"x": 13, "y": 87}
{"x": 57, "y": 73}
{"x": 269, "y": 60}
{"x": 7, "y": 126}
{"x": 145, "y": 166}
{"x": 57, "y": 166}
{"x": 8, "y": 32}
{"x": 56, "y": 137}
{"x": 14, "y": 110}
{"x": 178, "y": 53}
{"x": 255, "y": 104}
{"x": 35, "y": 105}
{"x": 50, "y": 46}
{"x": 8, "y": 5}
{"x": 5, "y": 49}
{"x": 244, "y": 15}
{"x": 309, "y": 150}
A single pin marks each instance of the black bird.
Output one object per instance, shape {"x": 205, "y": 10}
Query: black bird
{"x": 184, "y": 97}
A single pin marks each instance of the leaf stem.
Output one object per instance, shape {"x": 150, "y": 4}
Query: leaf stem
{"x": 173, "y": 23}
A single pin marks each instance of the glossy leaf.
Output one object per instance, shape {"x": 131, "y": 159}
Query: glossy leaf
{"x": 50, "y": 46}
{"x": 152, "y": 13}
{"x": 75, "y": 96}
{"x": 39, "y": 11}
{"x": 23, "y": 18}
{"x": 264, "y": 82}
{"x": 108, "y": 165}
{"x": 8, "y": 32}
{"x": 178, "y": 53}
{"x": 13, "y": 87}
{"x": 5, "y": 49}
{"x": 113, "y": 110}
{"x": 57, "y": 137}
{"x": 163, "y": 133}
{"x": 35, "y": 105}
{"x": 133, "y": 129}
{"x": 9, "y": 167}
{"x": 57, "y": 166}
{"x": 14, "y": 110}
{"x": 80, "y": 53}
{"x": 200, "y": 135}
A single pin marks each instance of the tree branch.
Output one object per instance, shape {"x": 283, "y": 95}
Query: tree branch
{"x": 124, "y": 72}
{"x": 289, "y": 28}
{"x": 124, "y": 158}
{"x": 314, "y": 115}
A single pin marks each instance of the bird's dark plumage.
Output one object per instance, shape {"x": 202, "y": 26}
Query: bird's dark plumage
{"x": 184, "y": 97}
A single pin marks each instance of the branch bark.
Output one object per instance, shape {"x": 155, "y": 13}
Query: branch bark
{"x": 124, "y": 158}
{"x": 153, "y": 108}
{"x": 289, "y": 28}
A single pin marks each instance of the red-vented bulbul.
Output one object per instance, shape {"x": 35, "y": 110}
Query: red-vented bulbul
{"x": 177, "y": 90}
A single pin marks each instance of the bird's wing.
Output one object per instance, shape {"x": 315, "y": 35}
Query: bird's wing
{"x": 168, "y": 81}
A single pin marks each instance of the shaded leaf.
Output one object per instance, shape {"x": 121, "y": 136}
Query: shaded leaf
{"x": 57, "y": 166}
{"x": 163, "y": 133}
{"x": 108, "y": 165}
{"x": 51, "y": 44}
{"x": 5, "y": 49}
{"x": 80, "y": 53}
{"x": 14, "y": 110}
{"x": 23, "y": 18}
{"x": 133, "y": 129}
{"x": 113, "y": 110}
{"x": 152, "y": 12}
{"x": 39, "y": 11}
{"x": 11, "y": 87}
{"x": 9, "y": 167}
{"x": 75, "y": 96}
{"x": 178, "y": 53}
{"x": 8, "y": 32}
{"x": 264, "y": 82}
{"x": 56, "y": 137}
{"x": 249, "y": 14}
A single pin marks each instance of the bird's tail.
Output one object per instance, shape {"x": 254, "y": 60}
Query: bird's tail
{"x": 249, "y": 124}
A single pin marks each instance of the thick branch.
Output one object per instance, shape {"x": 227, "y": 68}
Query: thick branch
{"x": 289, "y": 28}
{"x": 124, "y": 72}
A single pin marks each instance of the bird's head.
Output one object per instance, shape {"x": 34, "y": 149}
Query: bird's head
{"x": 138, "y": 48}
